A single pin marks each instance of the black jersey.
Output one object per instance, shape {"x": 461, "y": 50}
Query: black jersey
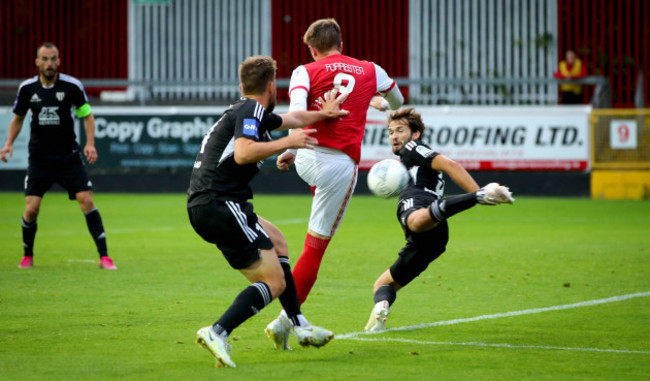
{"x": 215, "y": 173}
{"x": 417, "y": 157}
{"x": 52, "y": 127}
{"x": 427, "y": 185}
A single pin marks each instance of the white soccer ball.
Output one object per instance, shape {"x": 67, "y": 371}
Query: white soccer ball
{"x": 388, "y": 178}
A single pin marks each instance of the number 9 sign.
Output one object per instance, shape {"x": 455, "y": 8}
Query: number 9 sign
{"x": 622, "y": 134}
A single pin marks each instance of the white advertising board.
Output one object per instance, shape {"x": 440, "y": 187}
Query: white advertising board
{"x": 20, "y": 155}
{"x": 480, "y": 138}
{"x": 495, "y": 138}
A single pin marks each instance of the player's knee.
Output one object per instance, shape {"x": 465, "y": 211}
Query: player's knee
{"x": 86, "y": 201}
{"x": 31, "y": 212}
{"x": 277, "y": 285}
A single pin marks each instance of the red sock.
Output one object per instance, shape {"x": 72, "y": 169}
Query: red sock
{"x": 305, "y": 271}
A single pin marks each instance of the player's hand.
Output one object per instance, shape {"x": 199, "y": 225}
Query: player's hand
{"x": 91, "y": 154}
{"x": 380, "y": 103}
{"x": 330, "y": 103}
{"x": 302, "y": 138}
{"x": 6, "y": 149}
{"x": 285, "y": 159}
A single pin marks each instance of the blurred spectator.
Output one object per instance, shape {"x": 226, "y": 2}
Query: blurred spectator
{"x": 570, "y": 68}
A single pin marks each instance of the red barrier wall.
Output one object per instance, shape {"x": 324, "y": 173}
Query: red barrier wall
{"x": 373, "y": 30}
{"x": 91, "y": 36}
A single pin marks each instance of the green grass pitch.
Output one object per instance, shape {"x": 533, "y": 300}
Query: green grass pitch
{"x": 551, "y": 263}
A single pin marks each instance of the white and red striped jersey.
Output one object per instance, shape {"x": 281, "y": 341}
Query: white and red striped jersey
{"x": 360, "y": 79}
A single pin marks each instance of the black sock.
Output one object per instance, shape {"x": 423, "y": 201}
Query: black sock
{"x": 246, "y": 304}
{"x": 289, "y": 298}
{"x": 444, "y": 208}
{"x": 386, "y": 292}
{"x": 96, "y": 229}
{"x": 29, "y": 233}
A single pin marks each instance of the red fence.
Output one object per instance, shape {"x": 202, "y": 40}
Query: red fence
{"x": 91, "y": 36}
{"x": 373, "y": 30}
{"x": 612, "y": 38}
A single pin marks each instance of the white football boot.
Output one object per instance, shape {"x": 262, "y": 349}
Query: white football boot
{"x": 279, "y": 330}
{"x": 312, "y": 335}
{"x": 220, "y": 349}
{"x": 493, "y": 194}
{"x": 378, "y": 316}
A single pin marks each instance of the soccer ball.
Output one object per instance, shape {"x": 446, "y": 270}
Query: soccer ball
{"x": 388, "y": 178}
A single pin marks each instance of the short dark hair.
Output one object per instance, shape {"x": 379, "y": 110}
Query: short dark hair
{"x": 324, "y": 35}
{"x": 255, "y": 73}
{"x": 412, "y": 118}
{"x": 45, "y": 45}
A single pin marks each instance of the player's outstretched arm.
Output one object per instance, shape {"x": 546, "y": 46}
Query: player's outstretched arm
{"x": 15, "y": 126}
{"x": 330, "y": 109}
{"x": 456, "y": 172}
{"x": 249, "y": 151}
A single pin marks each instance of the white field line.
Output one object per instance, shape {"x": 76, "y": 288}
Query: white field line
{"x": 587, "y": 303}
{"x": 513, "y": 346}
{"x": 290, "y": 221}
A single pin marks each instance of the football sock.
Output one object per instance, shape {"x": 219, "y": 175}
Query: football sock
{"x": 96, "y": 229}
{"x": 444, "y": 208}
{"x": 219, "y": 330}
{"x": 386, "y": 292}
{"x": 306, "y": 270}
{"x": 29, "y": 232}
{"x": 249, "y": 302}
{"x": 289, "y": 298}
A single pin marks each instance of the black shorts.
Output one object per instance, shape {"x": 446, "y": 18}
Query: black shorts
{"x": 69, "y": 172}
{"x": 421, "y": 248}
{"x": 234, "y": 228}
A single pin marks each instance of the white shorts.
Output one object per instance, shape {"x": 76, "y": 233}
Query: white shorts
{"x": 334, "y": 174}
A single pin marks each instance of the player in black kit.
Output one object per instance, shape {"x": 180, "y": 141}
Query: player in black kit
{"x": 54, "y": 155}
{"x": 219, "y": 210}
{"x": 422, "y": 211}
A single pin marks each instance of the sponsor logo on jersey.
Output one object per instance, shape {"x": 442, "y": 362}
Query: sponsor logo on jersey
{"x": 48, "y": 116}
{"x": 250, "y": 127}
{"x": 424, "y": 151}
{"x": 60, "y": 95}
{"x": 35, "y": 98}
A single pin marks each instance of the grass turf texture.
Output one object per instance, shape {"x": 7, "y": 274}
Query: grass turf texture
{"x": 66, "y": 319}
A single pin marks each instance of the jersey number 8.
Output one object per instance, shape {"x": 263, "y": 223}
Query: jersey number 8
{"x": 344, "y": 83}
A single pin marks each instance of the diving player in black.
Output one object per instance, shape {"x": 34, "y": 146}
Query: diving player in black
{"x": 422, "y": 211}
{"x": 54, "y": 155}
{"x": 219, "y": 210}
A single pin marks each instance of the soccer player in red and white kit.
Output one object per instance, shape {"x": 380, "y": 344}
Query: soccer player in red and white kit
{"x": 330, "y": 169}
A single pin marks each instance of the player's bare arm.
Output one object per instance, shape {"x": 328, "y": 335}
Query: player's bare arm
{"x": 420, "y": 220}
{"x": 14, "y": 129}
{"x": 249, "y": 151}
{"x": 330, "y": 109}
{"x": 89, "y": 149}
{"x": 456, "y": 172}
